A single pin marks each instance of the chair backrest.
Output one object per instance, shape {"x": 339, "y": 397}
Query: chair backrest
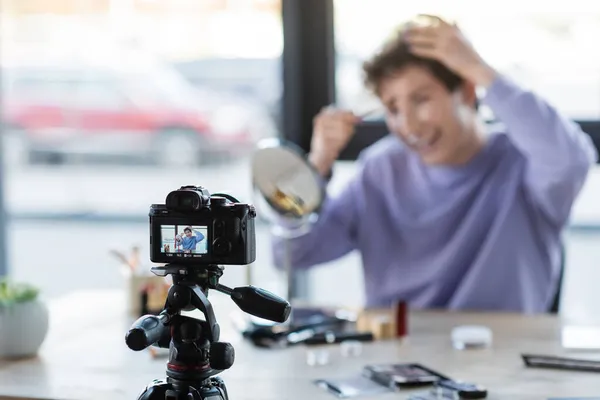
{"x": 555, "y": 306}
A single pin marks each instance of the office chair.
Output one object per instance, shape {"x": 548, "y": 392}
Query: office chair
{"x": 554, "y": 307}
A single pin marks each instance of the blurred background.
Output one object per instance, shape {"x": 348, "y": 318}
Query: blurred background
{"x": 107, "y": 105}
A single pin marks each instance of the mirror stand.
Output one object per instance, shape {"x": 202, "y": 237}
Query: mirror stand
{"x": 287, "y": 234}
{"x": 290, "y": 193}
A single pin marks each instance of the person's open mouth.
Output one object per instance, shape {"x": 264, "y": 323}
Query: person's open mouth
{"x": 424, "y": 144}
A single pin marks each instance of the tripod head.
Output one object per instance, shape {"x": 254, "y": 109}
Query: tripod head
{"x": 195, "y": 353}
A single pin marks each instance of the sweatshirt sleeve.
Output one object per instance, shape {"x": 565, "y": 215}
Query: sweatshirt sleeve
{"x": 558, "y": 153}
{"x": 332, "y": 236}
{"x": 199, "y": 236}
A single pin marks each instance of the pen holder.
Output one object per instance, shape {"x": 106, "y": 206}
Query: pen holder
{"x": 146, "y": 294}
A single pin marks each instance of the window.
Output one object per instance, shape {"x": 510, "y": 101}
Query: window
{"x": 550, "y": 50}
{"x": 152, "y": 95}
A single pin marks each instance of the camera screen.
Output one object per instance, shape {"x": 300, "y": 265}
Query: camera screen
{"x": 184, "y": 239}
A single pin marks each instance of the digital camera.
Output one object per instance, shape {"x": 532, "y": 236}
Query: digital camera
{"x": 195, "y": 227}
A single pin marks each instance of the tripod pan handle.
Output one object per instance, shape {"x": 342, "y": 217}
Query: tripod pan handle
{"x": 147, "y": 330}
{"x": 261, "y": 303}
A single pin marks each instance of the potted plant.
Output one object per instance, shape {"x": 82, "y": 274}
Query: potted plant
{"x": 23, "y": 320}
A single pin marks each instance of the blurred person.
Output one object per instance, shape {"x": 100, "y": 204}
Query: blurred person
{"x": 445, "y": 214}
{"x": 189, "y": 240}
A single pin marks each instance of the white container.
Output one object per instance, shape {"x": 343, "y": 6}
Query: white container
{"x": 23, "y": 328}
{"x": 471, "y": 337}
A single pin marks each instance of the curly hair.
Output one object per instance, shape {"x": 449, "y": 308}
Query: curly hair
{"x": 395, "y": 55}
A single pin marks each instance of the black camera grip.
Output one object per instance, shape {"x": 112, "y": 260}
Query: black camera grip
{"x": 261, "y": 303}
{"x": 145, "y": 331}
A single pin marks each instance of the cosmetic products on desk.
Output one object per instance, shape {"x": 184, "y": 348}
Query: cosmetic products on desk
{"x": 384, "y": 323}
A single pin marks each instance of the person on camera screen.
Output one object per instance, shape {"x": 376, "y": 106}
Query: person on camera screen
{"x": 188, "y": 241}
{"x": 445, "y": 212}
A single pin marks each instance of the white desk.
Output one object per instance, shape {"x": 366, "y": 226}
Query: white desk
{"x": 85, "y": 357}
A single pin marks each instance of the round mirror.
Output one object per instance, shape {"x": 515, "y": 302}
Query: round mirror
{"x": 285, "y": 179}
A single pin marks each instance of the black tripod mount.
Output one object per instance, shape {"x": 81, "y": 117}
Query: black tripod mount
{"x": 196, "y": 355}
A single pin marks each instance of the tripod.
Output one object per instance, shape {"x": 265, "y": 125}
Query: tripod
{"x": 195, "y": 354}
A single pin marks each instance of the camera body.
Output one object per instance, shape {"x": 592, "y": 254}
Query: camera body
{"x": 195, "y": 227}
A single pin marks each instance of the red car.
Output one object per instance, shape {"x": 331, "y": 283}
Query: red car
{"x": 102, "y": 111}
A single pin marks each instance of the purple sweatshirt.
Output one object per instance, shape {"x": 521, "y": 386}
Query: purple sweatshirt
{"x": 482, "y": 236}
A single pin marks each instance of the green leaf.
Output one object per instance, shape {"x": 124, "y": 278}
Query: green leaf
{"x": 13, "y": 292}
